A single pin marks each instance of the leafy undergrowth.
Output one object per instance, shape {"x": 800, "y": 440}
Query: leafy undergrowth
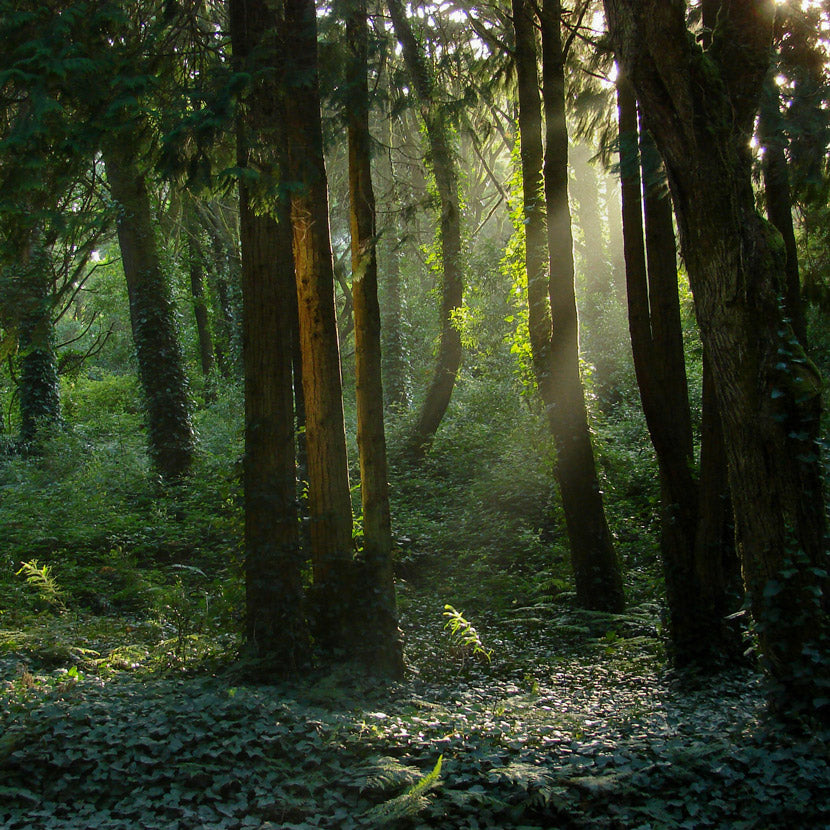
{"x": 571, "y": 723}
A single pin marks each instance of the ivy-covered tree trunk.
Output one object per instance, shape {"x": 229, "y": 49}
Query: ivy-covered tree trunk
{"x": 382, "y": 643}
{"x": 700, "y": 105}
{"x": 329, "y": 498}
{"x": 275, "y": 621}
{"x": 38, "y": 388}
{"x": 152, "y": 317}
{"x": 596, "y": 568}
{"x": 692, "y": 566}
{"x": 441, "y": 161}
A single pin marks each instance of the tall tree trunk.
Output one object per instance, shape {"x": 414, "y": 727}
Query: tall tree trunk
{"x": 596, "y": 568}
{"x": 220, "y": 275}
{"x": 196, "y": 267}
{"x": 395, "y": 365}
{"x": 329, "y": 498}
{"x": 596, "y": 284}
{"x": 38, "y": 388}
{"x": 700, "y": 106}
{"x": 779, "y": 201}
{"x": 382, "y": 642}
{"x": 160, "y": 361}
{"x": 693, "y": 567}
{"x": 275, "y": 622}
{"x": 440, "y": 157}
{"x": 553, "y": 333}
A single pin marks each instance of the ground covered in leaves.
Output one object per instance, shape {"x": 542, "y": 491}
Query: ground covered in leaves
{"x": 572, "y": 723}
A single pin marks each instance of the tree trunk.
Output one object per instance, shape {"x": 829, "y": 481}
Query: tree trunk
{"x": 779, "y": 202}
{"x": 446, "y": 183}
{"x": 553, "y": 332}
{"x": 329, "y": 498}
{"x": 220, "y": 275}
{"x": 195, "y": 262}
{"x": 160, "y": 362}
{"x": 700, "y": 106}
{"x": 38, "y": 386}
{"x": 394, "y": 352}
{"x": 692, "y": 566}
{"x": 382, "y": 643}
{"x": 596, "y": 568}
{"x": 275, "y": 622}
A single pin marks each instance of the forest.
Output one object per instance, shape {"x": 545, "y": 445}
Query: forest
{"x": 411, "y": 414}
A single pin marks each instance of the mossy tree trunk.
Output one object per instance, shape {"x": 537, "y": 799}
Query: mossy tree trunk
{"x": 152, "y": 316}
{"x": 38, "y": 389}
{"x": 700, "y": 105}
{"x": 275, "y": 621}
{"x": 440, "y": 159}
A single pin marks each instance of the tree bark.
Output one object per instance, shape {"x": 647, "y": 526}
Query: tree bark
{"x": 553, "y": 328}
{"x": 596, "y": 568}
{"x": 160, "y": 362}
{"x": 700, "y": 106}
{"x": 275, "y": 623}
{"x": 195, "y": 262}
{"x": 779, "y": 201}
{"x": 440, "y": 158}
{"x": 382, "y": 643}
{"x": 329, "y": 497}
{"x": 38, "y": 389}
{"x": 691, "y": 525}
{"x": 394, "y": 352}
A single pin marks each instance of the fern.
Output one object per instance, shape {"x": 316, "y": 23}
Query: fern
{"x": 465, "y": 639}
{"x": 408, "y": 803}
{"x": 386, "y": 773}
{"x": 40, "y": 578}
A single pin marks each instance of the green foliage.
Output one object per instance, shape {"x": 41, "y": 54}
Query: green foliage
{"x": 41, "y": 579}
{"x": 465, "y": 643}
{"x": 408, "y": 804}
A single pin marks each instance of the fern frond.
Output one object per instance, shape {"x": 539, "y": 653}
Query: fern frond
{"x": 409, "y": 803}
{"x": 385, "y": 773}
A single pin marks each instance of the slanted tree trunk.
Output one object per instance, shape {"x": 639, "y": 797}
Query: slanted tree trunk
{"x": 158, "y": 351}
{"x": 38, "y": 388}
{"x": 329, "y": 499}
{"x": 700, "y": 105}
{"x": 779, "y": 201}
{"x": 275, "y": 622}
{"x": 441, "y": 161}
{"x": 553, "y": 330}
{"x": 382, "y": 643}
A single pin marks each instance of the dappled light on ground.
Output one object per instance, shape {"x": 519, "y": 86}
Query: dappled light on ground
{"x": 567, "y": 726}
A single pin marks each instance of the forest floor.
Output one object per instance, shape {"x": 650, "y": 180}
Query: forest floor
{"x": 572, "y": 722}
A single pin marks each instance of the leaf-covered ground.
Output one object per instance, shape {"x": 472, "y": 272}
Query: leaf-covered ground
{"x": 573, "y": 724}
